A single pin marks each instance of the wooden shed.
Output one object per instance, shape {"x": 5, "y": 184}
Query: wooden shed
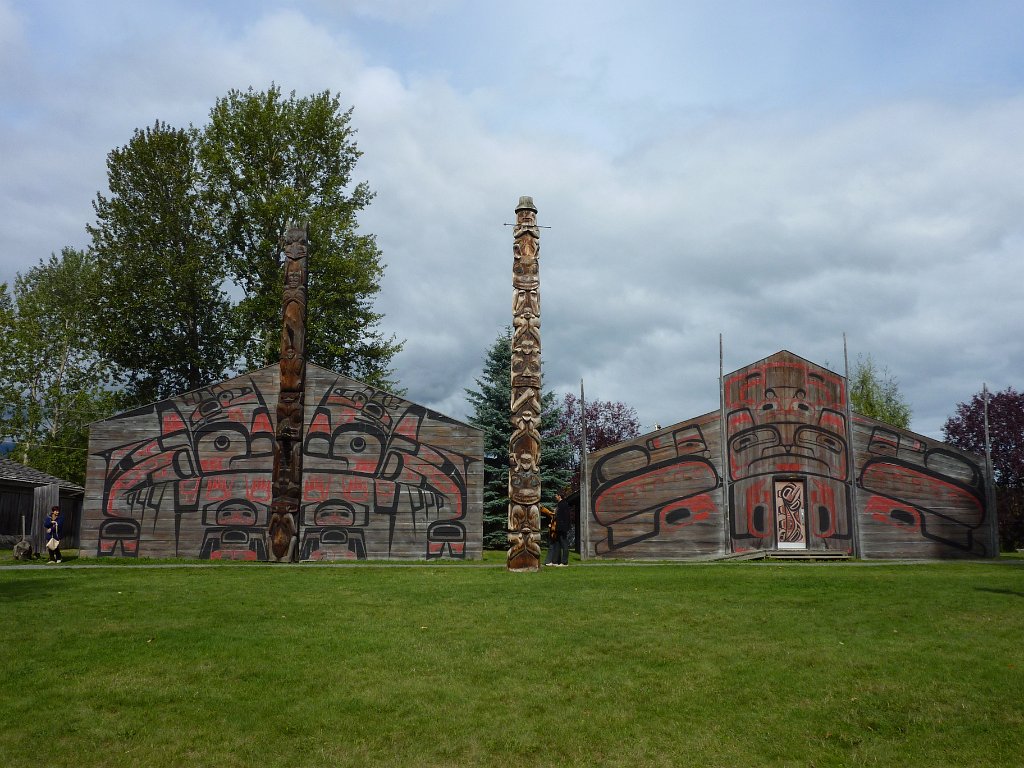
{"x": 26, "y": 497}
{"x": 785, "y": 467}
{"x": 383, "y": 478}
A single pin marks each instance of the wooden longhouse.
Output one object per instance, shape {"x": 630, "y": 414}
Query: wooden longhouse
{"x": 785, "y": 468}
{"x": 192, "y": 476}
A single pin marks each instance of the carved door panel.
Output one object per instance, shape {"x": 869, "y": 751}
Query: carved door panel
{"x": 790, "y": 514}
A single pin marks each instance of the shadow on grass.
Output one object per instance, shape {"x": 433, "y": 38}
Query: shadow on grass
{"x": 995, "y": 591}
{"x": 26, "y": 589}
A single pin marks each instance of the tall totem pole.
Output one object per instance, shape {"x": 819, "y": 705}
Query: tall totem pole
{"x": 283, "y": 529}
{"x": 524, "y": 445}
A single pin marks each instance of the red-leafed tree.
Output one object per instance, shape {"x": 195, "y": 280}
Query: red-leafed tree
{"x": 966, "y": 430}
{"x": 607, "y": 423}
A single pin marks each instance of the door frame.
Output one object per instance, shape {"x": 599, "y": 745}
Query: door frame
{"x": 798, "y": 482}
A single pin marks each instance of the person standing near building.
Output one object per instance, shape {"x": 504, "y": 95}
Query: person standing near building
{"x": 558, "y": 533}
{"x": 52, "y": 526}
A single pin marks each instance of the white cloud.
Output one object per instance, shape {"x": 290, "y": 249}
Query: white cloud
{"x": 12, "y": 42}
{"x": 895, "y": 220}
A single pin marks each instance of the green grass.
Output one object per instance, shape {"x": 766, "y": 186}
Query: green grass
{"x": 733, "y": 664}
{"x": 73, "y": 557}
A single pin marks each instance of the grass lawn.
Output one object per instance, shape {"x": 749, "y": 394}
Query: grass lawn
{"x": 729, "y": 664}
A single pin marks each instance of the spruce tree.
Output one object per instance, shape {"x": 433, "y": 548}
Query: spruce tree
{"x": 491, "y": 403}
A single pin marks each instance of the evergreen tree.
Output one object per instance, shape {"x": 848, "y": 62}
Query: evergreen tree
{"x": 491, "y": 403}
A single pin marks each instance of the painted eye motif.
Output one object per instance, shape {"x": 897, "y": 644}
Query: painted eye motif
{"x": 222, "y": 442}
{"x": 209, "y": 407}
{"x": 358, "y": 444}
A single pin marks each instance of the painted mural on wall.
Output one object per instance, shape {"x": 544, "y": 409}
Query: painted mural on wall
{"x": 792, "y": 459}
{"x": 659, "y": 495}
{"x": 188, "y": 476}
{"x": 788, "y": 456}
{"x": 191, "y": 476}
{"x": 918, "y": 497}
{"x": 382, "y": 475}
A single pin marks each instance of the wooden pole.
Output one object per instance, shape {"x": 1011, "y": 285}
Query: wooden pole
{"x": 524, "y": 445}
{"x": 724, "y": 453}
{"x": 283, "y": 527}
{"x": 584, "y": 480}
{"x": 990, "y": 491}
{"x": 851, "y": 464}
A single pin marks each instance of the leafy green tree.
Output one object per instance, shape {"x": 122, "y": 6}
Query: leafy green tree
{"x": 161, "y": 315}
{"x": 270, "y": 160}
{"x": 52, "y": 381}
{"x": 876, "y": 393}
{"x": 491, "y": 403}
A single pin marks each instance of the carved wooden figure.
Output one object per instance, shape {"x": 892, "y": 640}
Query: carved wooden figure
{"x": 283, "y": 528}
{"x": 524, "y": 445}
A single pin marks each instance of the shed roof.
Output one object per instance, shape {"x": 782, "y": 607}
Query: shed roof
{"x": 13, "y": 472}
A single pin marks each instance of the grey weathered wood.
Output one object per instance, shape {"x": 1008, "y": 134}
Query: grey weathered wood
{"x": 918, "y": 497}
{"x": 44, "y": 498}
{"x": 659, "y": 496}
{"x": 169, "y": 528}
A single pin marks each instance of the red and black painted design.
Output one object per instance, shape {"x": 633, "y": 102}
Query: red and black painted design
{"x": 919, "y": 498}
{"x": 367, "y": 460}
{"x": 382, "y": 477}
{"x": 791, "y": 479}
{"x": 204, "y": 461}
{"x": 655, "y": 487}
{"x": 785, "y": 420}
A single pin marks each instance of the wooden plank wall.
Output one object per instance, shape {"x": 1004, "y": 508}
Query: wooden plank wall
{"x": 185, "y": 477}
{"x": 44, "y": 498}
{"x": 386, "y": 478}
{"x": 15, "y": 506}
{"x": 786, "y": 421}
{"x": 918, "y": 497}
{"x": 191, "y": 476}
{"x": 659, "y": 496}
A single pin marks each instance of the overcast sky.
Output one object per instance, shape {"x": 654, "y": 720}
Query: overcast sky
{"x": 777, "y": 172}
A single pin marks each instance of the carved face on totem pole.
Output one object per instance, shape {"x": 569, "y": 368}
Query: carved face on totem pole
{"x": 524, "y": 444}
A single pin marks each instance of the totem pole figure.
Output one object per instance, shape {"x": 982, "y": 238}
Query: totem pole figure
{"x": 283, "y": 530}
{"x": 524, "y": 445}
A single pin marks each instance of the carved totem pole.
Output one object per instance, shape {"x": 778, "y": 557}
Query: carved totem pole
{"x": 524, "y": 445}
{"x": 283, "y": 530}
